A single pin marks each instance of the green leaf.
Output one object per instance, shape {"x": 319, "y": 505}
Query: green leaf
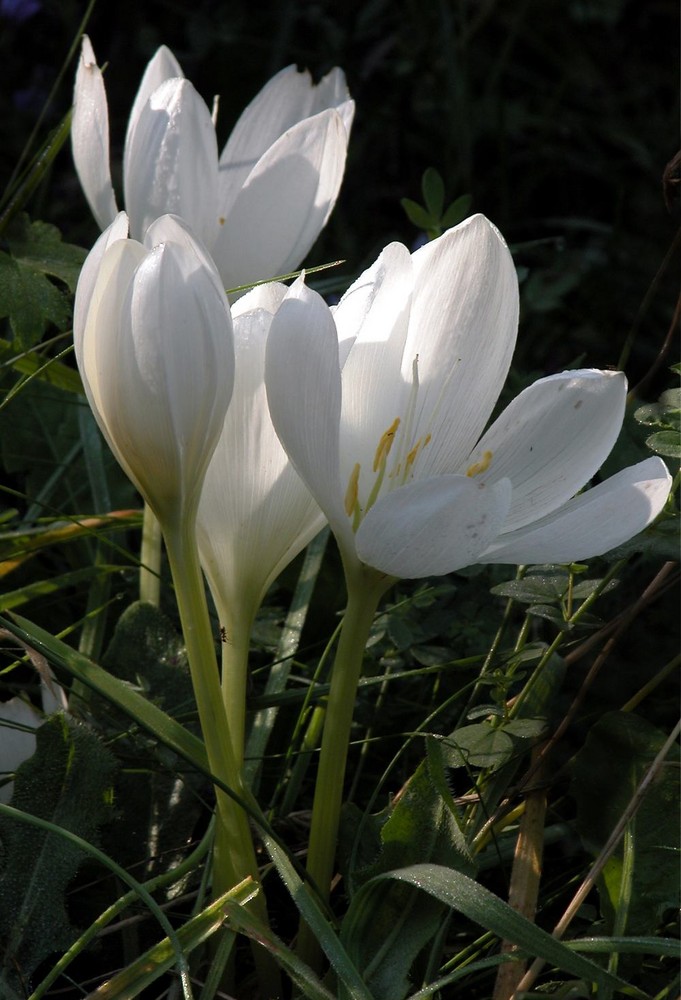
{"x": 461, "y": 893}
{"x": 628, "y": 744}
{"x": 147, "y": 968}
{"x": 136, "y": 706}
{"x": 423, "y": 824}
{"x": 417, "y": 214}
{"x": 29, "y": 296}
{"x": 68, "y": 782}
{"x": 667, "y": 443}
{"x": 479, "y": 745}
{"x": 457, "y": 211}
{"x": 433, "y": 189}
{"x": 33, "y": 364}
{"x": 534, "y": 589}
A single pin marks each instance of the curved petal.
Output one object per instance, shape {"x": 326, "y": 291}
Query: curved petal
{"x": 332, "y": 92}
{"x": 118, "y": 230}
{"x": 159, "y": 369}
{"x": 163, "y": 66}
{"x": 284, "y": 203}
{"x": 463, "y": 326}
{"x": 90, "y": 137}
{"x": 552, "y": 439}
{"x": 173, "y": 229}
{"x": 288, "y": 98}
{"x": 432, "y": 526}
{"x": 255, "y": 513}
{"x": 303, "y": 382}
{"x": 172, "y": 162}
{"x": 592, "y": 523}
{"x": 375, "y": 311}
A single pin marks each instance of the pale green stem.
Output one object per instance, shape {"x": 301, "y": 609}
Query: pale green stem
{"x": 150, "y": 558}
{"x": 364, "y": 593}
{"x": 235, "y": 649}
{"x": 234, "y": 854}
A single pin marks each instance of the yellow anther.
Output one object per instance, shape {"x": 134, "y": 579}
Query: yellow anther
{"x": 482, "y": 466}
{"x": 350, "y": 501}
{"x": 385, "y": 444}
{"x": 221, "y": 220}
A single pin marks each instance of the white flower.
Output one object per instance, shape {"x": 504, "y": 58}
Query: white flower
{"x": 382, "y": 408}
{"x": 255, "y": 514}
{"x": 258, "y": 207}
{"x": 153, "y": 342}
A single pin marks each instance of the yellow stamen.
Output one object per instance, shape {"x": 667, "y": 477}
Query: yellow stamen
{"x": 351, "y": 493}
{"x": 385, "y": 444}
{"x": 478, "y": 467}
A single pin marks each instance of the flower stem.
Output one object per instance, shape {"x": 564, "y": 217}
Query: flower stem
{"x": 235, "y": 650}
{"x": 150, "y": 558}
{"x": 234, "y": 854}
{"x": 364, "y": 592}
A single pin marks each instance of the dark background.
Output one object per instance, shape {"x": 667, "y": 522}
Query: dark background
{"x": 558, "y": 118}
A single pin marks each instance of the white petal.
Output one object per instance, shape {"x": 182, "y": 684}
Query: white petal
{"x": 163, "y": 66}
{"x": 157, "y": 356}
{"x": 118, "y": 230}
{"x": 303, "y": 381}
{"x": 375, "y": 311}
{"x": 286, "y": 99}
{"x": 332, "y": 92}
{"x": 90, "y": 137}
{"x": 552, "y": 439}
{"x": 592, "y": 523}
{"x": 171, "y": 163}
{"x": 463, "y": 326}
{"x": 284, "y": 203}
{"x": 255, "y": 514}
{"x": 432, "y": 526}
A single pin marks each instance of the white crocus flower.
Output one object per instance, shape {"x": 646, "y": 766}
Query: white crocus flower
{"x": 382, "y": 406}
{"x": 261, "y": 204}
{"x": 255, "y": 513}
{"x": 153, "y": 343}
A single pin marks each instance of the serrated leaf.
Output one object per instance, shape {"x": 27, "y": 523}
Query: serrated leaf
{"x": 607, "y": 770}
{"x": 39, "y": 246}
{"x": 433, "y": 190}
{"x": 30, "y": 301}
{"x": 68, "y": 782}
{"x": 417, "y": 214}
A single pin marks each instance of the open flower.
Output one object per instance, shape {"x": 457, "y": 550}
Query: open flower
{"x": 255, "y": 513}
{"x": 382, "y": 407}
{"x": 258, "y": 207}
{"x": 153, "y": 342}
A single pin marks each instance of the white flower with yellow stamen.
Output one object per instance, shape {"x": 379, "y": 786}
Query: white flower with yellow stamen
{"x": 382, "y": 406}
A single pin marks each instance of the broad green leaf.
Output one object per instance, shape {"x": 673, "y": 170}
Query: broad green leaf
{"x": 433, "y": 189}
{"x": 461, "y": 893}
{"x": 532, "y": 589}
{"x": 616, "y": 755}
{"x": 457, "y": 211}
{"x": 29, "y": 297}
{"x": 68, "y": 782}
{"x": 417, "y": 214}
{"x": 667, "y": 443}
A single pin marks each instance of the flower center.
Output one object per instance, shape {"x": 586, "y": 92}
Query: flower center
{"x": 399, "y": 432}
